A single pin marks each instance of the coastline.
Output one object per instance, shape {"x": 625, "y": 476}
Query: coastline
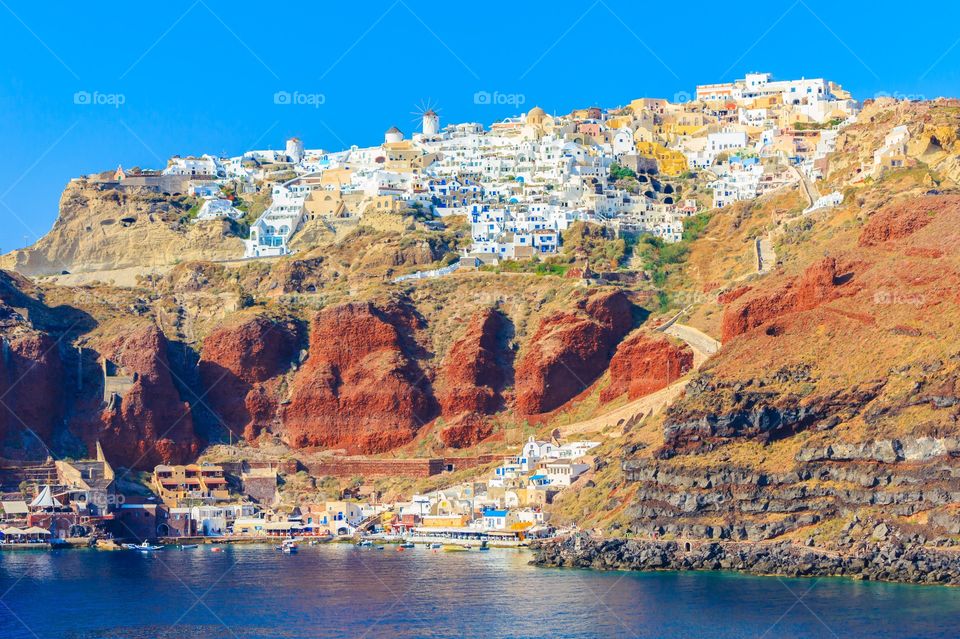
{"x": 888, "y": 561}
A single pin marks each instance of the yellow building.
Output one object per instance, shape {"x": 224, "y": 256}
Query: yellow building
{"x": 444, "y": 521}
{"x": 669, "y": 161}
{"x": 200, "y": 482}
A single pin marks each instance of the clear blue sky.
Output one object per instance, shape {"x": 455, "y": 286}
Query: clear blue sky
{"x": 201, "y": 76}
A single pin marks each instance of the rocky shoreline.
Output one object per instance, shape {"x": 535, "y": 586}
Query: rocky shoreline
{"x": 878, "y": 561}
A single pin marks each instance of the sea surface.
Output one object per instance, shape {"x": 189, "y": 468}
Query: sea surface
{"x": 338, "y": 590}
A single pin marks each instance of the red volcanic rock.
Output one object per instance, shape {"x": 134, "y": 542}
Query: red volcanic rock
{"x": 31, "y": 386}
{"x": 902, "y": 219}
{"x": 569, "y": 351}
{"x": 359, "y": 389}
{"x": 150, "y": 425}
{"x": 472, "y": 374}
{"x": 644, "y": 364}
{"x": 467, "y": 430}
{"x": 818, "y": 284}
{"x": 733, "y": 295}
{"x": 238, "y": 365}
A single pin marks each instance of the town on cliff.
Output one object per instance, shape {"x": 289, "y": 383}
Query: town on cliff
{"x": 631, "y": 338}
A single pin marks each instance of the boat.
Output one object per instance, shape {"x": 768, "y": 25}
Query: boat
{"x": 436, "y": 546}
{"x": 484, "y": 545}
{"x": 143, "y": 547}
{"x": 216, "y": 549}
{"x": 366, "y": 543}
{"x": 187, "y": 546}
{"x": 407, "y": 544}
{"x": 455, "y": 548}
{"x": 378, "y": 547}
{"x": 288, "y": 546}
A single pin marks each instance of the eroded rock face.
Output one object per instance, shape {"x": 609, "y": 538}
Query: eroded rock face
{"x": 150, "y": 424}
{"x": 902, "y": 219}
{"x": 101, "y": 228}
{"x": 569, "y": 351}
{"x": 645, "y": 363}
{"x": 239, "y": 366}
{"x": 466, "y": 430}
{"x": 360, "y": 389}
{"x": 819, "y": 283}
{"x": 31, "y": 386}
{"x": 756, "y": 410}
{"x": 474, "y": 370}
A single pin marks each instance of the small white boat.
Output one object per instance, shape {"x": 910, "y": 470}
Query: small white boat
{"x": 186, "y": 546}
{"x": 366, "y": 543}
{"x": 144, "y": 547}
{"x": 288, "y": 546}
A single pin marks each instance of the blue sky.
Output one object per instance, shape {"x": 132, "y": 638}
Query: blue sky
{"x": 201, "y": 76}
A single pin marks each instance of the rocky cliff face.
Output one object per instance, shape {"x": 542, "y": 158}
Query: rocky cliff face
{"x": 150, "y": 424}
{"x": 472, "y": 378}
{"x": 361, "y": 388}
{"x": 644, "y": 363}
{"x": 31, "y": 388}
{"x": 240, "y": 367}
{"x": 102, "y": 228}
{"x": 820, "y": 283}
{"x": 569, "y": 350}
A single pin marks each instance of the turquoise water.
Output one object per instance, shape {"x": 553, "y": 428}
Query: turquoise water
{"x": 337, "y": 590}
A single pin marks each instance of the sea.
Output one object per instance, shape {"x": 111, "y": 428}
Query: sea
{"x": 338, "y": 590}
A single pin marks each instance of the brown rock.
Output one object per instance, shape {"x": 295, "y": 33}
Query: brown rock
{"x": 31, "y": 387}
{"x": 569, "y": 351}
{"x": 820, "y": 283}
{"x": 237, "y": 366}
{"x": 644, "y": 364}
{"x": 902, "y": 219}
{"x": 474, "y": 370}
{"x": 151, "y": 424}
{"x": 360, "y": 389}
{"x": 467, "y": 430}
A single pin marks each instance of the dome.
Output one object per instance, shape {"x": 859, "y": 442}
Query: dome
{"x": 536, "y": 115}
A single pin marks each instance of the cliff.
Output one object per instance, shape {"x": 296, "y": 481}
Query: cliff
{"x": 102, "y": 228}
{"x": 569, "y": 350}
{"x": 361, "y": 388}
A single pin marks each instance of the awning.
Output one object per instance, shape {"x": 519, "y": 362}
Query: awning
{"x": 45, "y": 500}
{"x": 36, "y": 530}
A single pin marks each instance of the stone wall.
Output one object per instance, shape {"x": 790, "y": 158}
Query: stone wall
{"x": 368, "y": 467}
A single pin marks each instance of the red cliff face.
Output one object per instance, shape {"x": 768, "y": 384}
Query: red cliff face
{"x": 359, "y": 389}
{"x": 902, "y": 219}
{"x": 569, "y": 351}
{"x": 32, "y": 386}
{"x": 151, "y": 425}
{"x": 471, "y": 378}
{"x": 644, "y": 364}
{"x": 472, "y": 374}
{"x": 239, "y": 369}
{"x": 466, "y": 430}
{"x": 820, "y": 283}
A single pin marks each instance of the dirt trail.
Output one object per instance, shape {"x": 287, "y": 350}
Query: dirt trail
{"x": 703, "y": 347}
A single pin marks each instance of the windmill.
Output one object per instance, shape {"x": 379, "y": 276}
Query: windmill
{"x": 427, "y": 116}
